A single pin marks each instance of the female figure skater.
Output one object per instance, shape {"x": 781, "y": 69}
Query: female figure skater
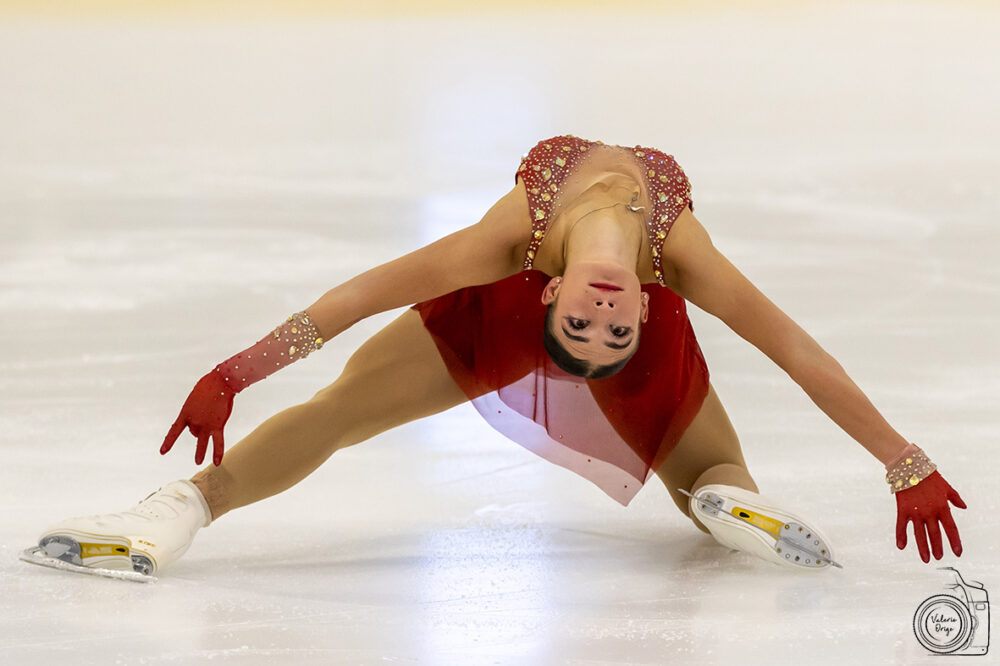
{"x": 561, "y": 316}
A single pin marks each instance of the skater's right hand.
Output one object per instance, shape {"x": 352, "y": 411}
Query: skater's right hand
{"x": 204, "y": 413}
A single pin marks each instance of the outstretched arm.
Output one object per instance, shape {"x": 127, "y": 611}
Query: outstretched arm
{"x": 478, "y": 254}
{"x": 708, "y": 279}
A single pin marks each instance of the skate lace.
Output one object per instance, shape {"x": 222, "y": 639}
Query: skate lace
{"x": 158, "y": 505}
{"x": 161, "y": 504}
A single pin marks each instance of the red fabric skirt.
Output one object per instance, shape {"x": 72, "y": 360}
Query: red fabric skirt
{"x": 614, "y": 431}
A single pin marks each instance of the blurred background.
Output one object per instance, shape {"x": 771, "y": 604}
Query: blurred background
{"x": 178, "y": 177}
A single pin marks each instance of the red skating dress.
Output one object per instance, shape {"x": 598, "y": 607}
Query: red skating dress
{"x": 614, "y": 431}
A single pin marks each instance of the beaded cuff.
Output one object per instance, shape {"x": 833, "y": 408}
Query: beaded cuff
{"x": 300, "y": 334}
{"x": 910, "y": 468}
{"x": 546, "y": 167}
{"x": 294, "y": 338}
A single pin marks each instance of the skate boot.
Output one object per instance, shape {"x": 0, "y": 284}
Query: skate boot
{"x": 134, "y": 544}
{"x": 752, "y": 523}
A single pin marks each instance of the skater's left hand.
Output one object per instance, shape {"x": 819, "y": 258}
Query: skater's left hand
{"x": 925, "y": 504}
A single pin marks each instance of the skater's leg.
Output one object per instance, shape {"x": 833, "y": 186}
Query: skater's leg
{"x": 730, "y": 507}
{"x": 395, "y": 377}
{"x": 708, "y": 452}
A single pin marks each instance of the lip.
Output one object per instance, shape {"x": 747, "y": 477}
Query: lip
{"x": 604, "y": 286}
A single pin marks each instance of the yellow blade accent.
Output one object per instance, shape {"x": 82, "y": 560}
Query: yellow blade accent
{"x": 760, "y": 520}
{"x": 102, "y": 550}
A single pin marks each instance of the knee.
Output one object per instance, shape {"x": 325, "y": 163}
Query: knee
{"x": 328, "y": 395}
{"x": 345, "y": 410}
{"x": 333, "y": 402}
{"x": 317, "y": 423}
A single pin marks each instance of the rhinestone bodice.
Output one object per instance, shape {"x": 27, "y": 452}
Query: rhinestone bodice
{"x": 546, "y": 167}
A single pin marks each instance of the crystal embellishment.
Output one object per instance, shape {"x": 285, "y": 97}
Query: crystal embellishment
{"x": 553, "y": 160}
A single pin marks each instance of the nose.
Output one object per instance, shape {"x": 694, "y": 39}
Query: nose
{"x": 601, "y": 302}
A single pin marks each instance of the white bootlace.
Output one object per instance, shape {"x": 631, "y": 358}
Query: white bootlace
{"x": 158, "y": 505}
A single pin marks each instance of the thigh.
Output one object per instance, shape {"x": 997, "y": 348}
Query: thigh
{"x": 710, "y": 440}
{"x": 395, "y": 377}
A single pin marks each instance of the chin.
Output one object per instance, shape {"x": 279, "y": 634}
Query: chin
{"x": 613, "y": 274}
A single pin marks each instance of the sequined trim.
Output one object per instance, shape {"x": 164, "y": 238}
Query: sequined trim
{"x": 670, "y": 191}
{"x": 545, "y": 168}
{"x": 912, "y": 467}
{"x": 294, "y": 338}
{"x": 299, "y": 334}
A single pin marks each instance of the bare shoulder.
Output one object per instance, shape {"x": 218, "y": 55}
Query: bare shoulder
{"x": 508, "y": 221}
{"x": 706, "y": 278}
{"x": 486, "y": 250}
{"x": 685, "y": 230}
{"x": 480, "y": 253}
{"x": 688, "y": 244}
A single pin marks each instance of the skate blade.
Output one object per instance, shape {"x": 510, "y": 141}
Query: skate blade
{"x": 36, "y": 555}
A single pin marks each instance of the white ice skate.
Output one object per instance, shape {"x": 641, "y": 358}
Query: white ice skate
{"x": 133, "y": 544}
{"x": 752, "y": 523}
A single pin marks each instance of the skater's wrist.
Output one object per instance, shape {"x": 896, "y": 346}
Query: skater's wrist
{"x": 907, "y": 450}
{"x": 908, "y": 468}
{"x": 293, "y": 339}
{"x": 222, "y": 371}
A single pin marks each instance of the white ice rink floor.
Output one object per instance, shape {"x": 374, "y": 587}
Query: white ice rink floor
{"x": 171, "y": 187}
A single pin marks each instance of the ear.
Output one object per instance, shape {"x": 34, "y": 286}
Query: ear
{"x": 644, "y": 307}
{"x": 551, "y": 290}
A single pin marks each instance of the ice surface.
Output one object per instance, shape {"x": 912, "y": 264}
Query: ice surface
{"x": 172, "y": 187}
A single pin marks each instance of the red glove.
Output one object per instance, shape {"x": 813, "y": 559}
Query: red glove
{"x": 205, "y": 412}
{"x": 210, "y": 403}
{"x": 925, "y": 504}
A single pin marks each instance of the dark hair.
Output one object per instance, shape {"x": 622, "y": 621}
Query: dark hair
{"x": 577, "y": 366}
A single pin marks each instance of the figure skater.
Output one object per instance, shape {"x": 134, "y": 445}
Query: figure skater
{"x": 561, "y": 316}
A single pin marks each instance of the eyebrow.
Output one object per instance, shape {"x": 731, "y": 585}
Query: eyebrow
{"x": 613, "y": 345}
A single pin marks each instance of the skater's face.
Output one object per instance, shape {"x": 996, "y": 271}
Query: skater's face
{"x": 597, "y": 311}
